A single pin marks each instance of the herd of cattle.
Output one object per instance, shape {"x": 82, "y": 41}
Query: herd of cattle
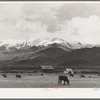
{"x": 17, "y": 76}
{"x": 62, "y": 79}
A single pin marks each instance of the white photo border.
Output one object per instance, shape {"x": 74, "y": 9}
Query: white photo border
{"x": 50, "y": 93}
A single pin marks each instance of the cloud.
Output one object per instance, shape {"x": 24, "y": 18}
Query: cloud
{"x": 69, "y": 21}
{"x": 70, "y": 10}
{"x": 88, "y": 28}
{"x": 82, "y": 29}
{"x": 25, "y": 21}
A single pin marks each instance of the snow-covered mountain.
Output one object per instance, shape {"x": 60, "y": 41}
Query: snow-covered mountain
{"x": 40, "y": 43}
{"x": 51, "y": 51}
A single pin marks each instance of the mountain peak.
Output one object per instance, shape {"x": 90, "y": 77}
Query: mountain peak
{"x": 40, "y": 43}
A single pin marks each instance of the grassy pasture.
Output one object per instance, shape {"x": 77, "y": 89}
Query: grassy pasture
{"x": 48, "y": 81}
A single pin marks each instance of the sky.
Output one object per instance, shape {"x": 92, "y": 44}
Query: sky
{"x": 68, "y": 21}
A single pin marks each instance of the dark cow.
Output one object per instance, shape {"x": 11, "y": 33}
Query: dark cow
{"x": 89, "y": 76}
{"x": 63, "y": 78}
{"x": 4, "y": 75}
{"x": 18, "y": 76}
{"x": 30, "y": 74}
{"x": 71, "y": 75}
{"x": 82, "y": 76}
{"x": 41, "y": 74}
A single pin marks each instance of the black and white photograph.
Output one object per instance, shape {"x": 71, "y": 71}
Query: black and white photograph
{"x": 49, "y": 45}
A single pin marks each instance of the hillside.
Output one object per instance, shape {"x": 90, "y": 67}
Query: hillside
{"x": 59, "y": 57}
{"x": 56, "y": 53}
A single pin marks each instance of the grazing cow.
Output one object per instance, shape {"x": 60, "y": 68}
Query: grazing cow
{"x": 4, "y": 75}
{"x": 82, "y": 76}
{"x": 30, "y": 74}
{"x": 89, "y": 76}
{"x": 71, "y": 75}
{"x": 18, "y": 76}
{"x": 41, "y": 74}
{"x": 63, "y": 78}
{"x": 69, "y": 71}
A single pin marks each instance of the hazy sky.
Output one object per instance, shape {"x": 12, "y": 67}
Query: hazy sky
{"x": 69, "y": 21}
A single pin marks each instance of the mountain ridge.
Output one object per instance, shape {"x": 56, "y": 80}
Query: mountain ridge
{"x": 37, "y": 44}
{"x": 57, "y": 52}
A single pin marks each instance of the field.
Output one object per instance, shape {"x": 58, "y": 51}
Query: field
{"x": 48, "y": 81}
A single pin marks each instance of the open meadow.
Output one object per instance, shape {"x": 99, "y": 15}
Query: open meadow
{"x": 35, "y": 80}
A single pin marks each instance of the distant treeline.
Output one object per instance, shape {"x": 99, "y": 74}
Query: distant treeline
{"x": 57, "y": 69}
